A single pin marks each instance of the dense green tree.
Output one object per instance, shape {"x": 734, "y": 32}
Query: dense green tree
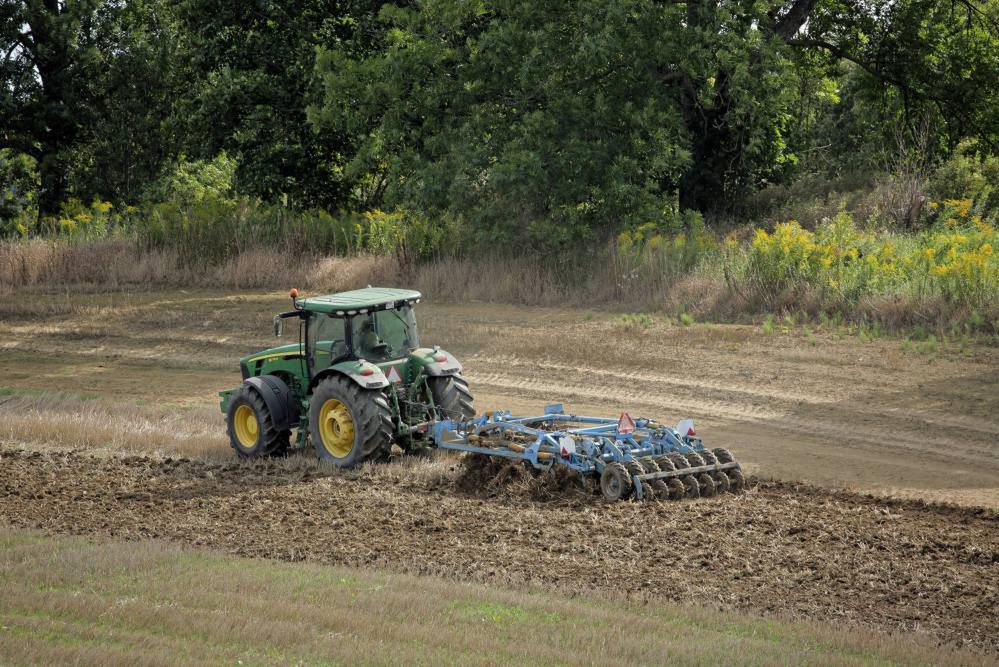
{"x": 133, "y": 132}
{"x": 554, "y": 120}
{"x": 49, "y": 60}
{"x": 560, "y": 119}
{"x": 252, "y": 65}
{"x": 86, "y": 89}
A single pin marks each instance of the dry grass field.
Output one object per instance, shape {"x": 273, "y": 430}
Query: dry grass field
{"x": 109, "y": 428}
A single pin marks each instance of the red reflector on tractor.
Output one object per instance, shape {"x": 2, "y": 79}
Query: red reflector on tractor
{"x": 625, "y": 424}
{"x": 367, "y": 371}
{"x": 440, "y": 357}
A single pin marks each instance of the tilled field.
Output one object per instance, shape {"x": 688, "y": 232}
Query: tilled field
{"x": 794, "y": 550}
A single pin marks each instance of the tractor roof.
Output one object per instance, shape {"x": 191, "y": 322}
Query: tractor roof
{"x": 371, "y": 297}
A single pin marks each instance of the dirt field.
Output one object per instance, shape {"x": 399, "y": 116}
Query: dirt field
{"x": 138, "y": 374}
{"x": 799, "y": 552}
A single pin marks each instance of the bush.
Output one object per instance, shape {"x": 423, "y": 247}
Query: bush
{"x": 969, "y": 176}
{"x": 954, "y": 260}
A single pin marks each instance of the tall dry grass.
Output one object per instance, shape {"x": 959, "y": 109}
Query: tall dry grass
{"x": 711, "y": 286}
{"x": 605, "y": 280}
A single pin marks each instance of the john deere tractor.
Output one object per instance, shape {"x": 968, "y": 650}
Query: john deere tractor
{"x": 356, "y": 382}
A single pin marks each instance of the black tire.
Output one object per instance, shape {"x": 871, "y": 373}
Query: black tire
{"x": 262, "y": 438}
{"x": 615, "y": 482}
{"x": 452, "y": 397}
{"x": 281, "y": 445}
{"x": 370, "y": 418}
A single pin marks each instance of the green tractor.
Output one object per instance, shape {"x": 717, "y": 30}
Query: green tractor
{"x": 356, "y": 382}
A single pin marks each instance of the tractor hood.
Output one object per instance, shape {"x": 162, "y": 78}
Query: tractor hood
{"x": 292, "y": 351}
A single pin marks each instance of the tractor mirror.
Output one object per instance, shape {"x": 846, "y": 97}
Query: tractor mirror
{"x": 278, "y": 326}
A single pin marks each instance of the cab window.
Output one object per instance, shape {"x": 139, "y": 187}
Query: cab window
{"x": 327, "y": 334}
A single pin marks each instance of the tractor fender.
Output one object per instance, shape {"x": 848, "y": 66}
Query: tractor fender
{"x": 366, "y": 375}
{"x": 429, "y": 359}
{"x": 279, "y": 399}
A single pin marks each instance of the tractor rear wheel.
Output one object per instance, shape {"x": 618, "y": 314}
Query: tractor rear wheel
{"x": 349, "y": 425}
{"x": 248, "y": 423}
{"x": 452, "y": 397}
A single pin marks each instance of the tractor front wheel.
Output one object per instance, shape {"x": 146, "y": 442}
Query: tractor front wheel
{"x": 349, "y": 425}
{"x": 251, "y": 430}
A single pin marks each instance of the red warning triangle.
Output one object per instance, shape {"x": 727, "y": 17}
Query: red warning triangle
{"x": 625, "y": 424}
{"x": 393, "y": 376}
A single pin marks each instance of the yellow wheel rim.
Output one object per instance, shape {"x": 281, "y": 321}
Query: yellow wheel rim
{"x": 245, "y": 424}
{"x": 336, "y": 428}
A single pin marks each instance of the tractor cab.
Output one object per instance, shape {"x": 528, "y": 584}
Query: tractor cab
{"x": 374, "y": 324}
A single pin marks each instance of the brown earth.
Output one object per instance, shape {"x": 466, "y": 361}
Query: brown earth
{"x": 794, "y": 550}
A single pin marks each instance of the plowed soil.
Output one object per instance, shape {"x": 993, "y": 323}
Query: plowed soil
{"x": 795, "y": 550}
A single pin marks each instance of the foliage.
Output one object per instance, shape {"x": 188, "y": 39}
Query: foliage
{"x": 252, "y": 65}
{"x": 546, "y": 131}
{"x": 18, "y": 189}
{"x": 968, "y": 174}
{"x": 954, "y": 260}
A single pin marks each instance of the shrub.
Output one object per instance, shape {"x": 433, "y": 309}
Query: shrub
{"x": 968, "y": 176}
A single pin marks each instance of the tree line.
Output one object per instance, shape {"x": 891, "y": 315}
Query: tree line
{"x": 551, "y": 121}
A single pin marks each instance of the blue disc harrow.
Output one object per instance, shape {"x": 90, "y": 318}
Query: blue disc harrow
{"x": 633, "y": 458}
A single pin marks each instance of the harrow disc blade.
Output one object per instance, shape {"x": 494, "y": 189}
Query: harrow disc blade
{"x": 658, "y": 486}
{"x": 722, "y": 482}
{"x": 706, "y": 484}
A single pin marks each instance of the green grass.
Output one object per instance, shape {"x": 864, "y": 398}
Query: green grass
{"x": 69, "y": 600}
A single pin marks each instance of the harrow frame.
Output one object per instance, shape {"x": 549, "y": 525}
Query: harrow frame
{"x": 584, "y": 444}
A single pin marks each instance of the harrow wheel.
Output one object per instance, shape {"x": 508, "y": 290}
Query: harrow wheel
{"x": 736, "y": 480}
{"x": 723, "y": 455}
{"x": 659, "y": 486}
{"x": 721, "y": 481}
{"x": 635, "y": 468}
{"x": 694, "y": 459}
{"x": 690, "y": 484}
{"x": 706, "y": 484}
{"x": 615, "y": 482}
